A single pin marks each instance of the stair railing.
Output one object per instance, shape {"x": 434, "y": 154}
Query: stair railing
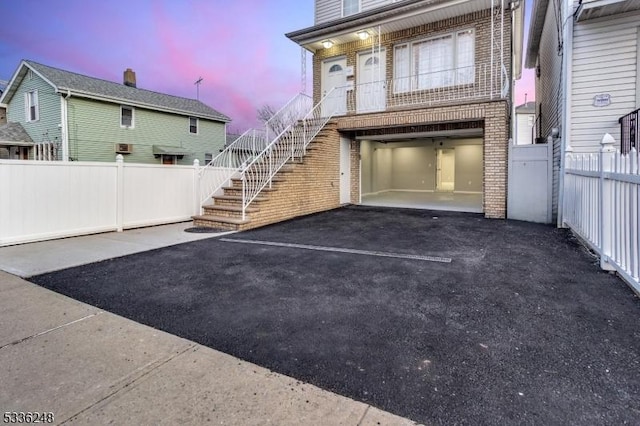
{"x": 290, "y": 143}
{"x": 230, "y": 162}
{"x": 288, "y": 115}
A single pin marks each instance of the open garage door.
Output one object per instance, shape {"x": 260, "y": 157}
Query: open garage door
{"x": 438, "y": 173}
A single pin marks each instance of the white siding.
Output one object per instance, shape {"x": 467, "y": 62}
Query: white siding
{"x": 329, "y": 10}
{"x": 549, "y": 92}
{"x": 605, "y": 61}
{"x": 524, "y": 129}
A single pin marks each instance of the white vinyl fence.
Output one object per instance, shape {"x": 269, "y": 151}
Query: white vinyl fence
{"x": 602, "y": 206}
{"x": 42, "y": 200}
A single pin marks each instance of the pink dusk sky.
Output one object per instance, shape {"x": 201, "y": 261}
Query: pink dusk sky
{"x": 237, "y": 47}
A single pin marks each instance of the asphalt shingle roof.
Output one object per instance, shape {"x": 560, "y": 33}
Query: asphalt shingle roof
{"x": 14, "y": 132}
{"x": 67, "y": 80}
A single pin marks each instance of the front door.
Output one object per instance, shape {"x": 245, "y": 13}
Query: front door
{"x": 371, "y": 88}
{"x": 345, "y": 170}
{"x": 334, "y": 77}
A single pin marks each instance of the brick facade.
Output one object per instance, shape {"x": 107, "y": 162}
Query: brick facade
{"x": 493, "y": 115}
{"x": 314, "y": 185}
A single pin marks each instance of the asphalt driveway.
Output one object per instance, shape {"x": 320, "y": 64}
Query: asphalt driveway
{"x": 444, "y": 318}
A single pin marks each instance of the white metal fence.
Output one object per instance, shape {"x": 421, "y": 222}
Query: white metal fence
{"x": 602, "y": 206}
{"x": 42, "y": 200}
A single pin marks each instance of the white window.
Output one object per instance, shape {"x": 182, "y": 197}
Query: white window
{"x": 443, "y": 61}
{"x": 32, "y": 109}
{"x": 127, "y": 118}
{"x": 193, "y": 125}
{"x": 350, "y": 7}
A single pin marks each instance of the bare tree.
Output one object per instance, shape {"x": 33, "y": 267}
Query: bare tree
{"x": 274, "y": 123}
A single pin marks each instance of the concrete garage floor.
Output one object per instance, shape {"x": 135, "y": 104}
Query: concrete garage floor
{"x": 520, "y": 327}
{"x": 448, "y": 201}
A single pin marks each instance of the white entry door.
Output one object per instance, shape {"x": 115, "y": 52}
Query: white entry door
{"x": 371, "y": 90}
{"x": 334, "y": 77}
{"x": 445, "y": 170}
{"x": 345, "y": 171}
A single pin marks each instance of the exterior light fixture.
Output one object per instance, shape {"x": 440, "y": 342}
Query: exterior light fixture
{"x": 327, "y": 44}
{"x": 363, "y": 35}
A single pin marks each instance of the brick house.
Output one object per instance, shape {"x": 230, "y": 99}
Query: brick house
{"x": 418, "y": 98}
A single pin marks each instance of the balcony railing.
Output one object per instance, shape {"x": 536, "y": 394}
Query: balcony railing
{"x": 629, "y": 125}
{"x": 468, "y": 84}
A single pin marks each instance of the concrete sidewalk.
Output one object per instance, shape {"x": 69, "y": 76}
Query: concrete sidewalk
{"x": 26, "y": 260}
{"x": 87, "y": 366}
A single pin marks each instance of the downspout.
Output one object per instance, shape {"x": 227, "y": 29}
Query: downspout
{"x": 565, "y": 133}
{"x": 64, "y": 125}
{"x": 513, "y": 77}
{"x": 492, "y": 48}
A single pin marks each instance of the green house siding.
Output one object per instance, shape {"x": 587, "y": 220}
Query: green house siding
{"x": 47, "y": 128}
{"x": 94, "y": 129}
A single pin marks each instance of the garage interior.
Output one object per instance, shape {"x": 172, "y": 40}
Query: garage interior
{"x": 435, "y": 171}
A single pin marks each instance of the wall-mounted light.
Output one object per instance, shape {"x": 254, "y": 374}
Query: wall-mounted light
{"x": 327, "y": 44}
{"x": 363, "y": 35}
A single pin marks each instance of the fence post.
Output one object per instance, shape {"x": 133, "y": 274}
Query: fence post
{"x": 607, "y": 155}
{"x": 196, "y": 186}
{"x": 119, "y": 193}
{"x": 568, "y": 200}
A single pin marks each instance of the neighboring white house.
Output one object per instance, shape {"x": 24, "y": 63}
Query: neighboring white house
{"x": 525, "y": 120}
{"x": 586, "y": 54}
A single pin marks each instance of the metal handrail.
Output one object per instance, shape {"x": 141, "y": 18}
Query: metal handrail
{"x": 472, "y": 83}
{"x": 288, "y": 114}
{"x": 629, "y": 128}
{"x": 219, "y": 171}
{"x": 289, "y": 144}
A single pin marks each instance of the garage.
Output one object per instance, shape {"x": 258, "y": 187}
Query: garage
{"x": 438, "y": 171}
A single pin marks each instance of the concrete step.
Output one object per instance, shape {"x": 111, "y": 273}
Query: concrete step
{"x": 219, "y": 222}
{"x": 230, "y": 209}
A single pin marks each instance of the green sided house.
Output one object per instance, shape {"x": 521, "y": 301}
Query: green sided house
{"x": 53, "y": 114}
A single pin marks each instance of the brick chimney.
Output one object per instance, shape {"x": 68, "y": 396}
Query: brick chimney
{"x": 129, "y": 78}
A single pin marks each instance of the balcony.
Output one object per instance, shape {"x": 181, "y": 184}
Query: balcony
{"x": 629, "y": 132}
{"x": 473, "y": 84}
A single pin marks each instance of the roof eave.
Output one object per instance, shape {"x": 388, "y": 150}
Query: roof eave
{"x": 535, "y": 32}
{"x": 306, "y": 36}
{"x": 89, "y": 95}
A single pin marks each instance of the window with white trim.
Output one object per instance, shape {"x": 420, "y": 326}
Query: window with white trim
{"x": 350, "y": 7}
{"x": 32, "y": 109}
{"x": 127, "y": 116}
{"x": 443, "y": 61}
{"x": 193, "y": 125}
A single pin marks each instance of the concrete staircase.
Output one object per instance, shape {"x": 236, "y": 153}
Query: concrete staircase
{"x": 226, "y": 211}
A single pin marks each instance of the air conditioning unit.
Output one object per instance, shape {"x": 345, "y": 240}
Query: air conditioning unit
{"x": 124, "y": 148}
